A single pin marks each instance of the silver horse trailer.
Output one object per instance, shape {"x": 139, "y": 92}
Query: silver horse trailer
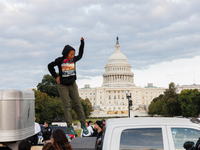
{"x": 17, "y": 112}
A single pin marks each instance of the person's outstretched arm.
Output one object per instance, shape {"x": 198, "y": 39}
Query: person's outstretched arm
{"x": 81, "y": 48}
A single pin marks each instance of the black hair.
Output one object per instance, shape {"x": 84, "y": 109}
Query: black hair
{"x": 24, "y": 145}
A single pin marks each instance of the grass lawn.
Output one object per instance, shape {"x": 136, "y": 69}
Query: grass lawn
{"x": 79, "y": 132}
{"x": 92, "y": 119}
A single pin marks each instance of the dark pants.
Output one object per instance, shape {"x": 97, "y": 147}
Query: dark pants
{"x": 71, "y": 92}
{"x": 34, "y": 139}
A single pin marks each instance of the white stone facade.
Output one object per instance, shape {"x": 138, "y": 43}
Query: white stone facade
{"x": 179, "y": 88}
{"x": 110, "y": 99}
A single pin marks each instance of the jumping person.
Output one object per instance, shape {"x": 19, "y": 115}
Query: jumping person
{"x": 67, "y": 87}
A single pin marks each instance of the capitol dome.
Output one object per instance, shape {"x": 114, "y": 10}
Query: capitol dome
{"x": 118, "y": 70}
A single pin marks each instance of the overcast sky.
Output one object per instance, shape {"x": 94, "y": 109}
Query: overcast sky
{"x": 161, "y": 39}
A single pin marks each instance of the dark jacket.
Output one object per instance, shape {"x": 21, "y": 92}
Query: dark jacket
{"x": 67, "y": 71}
{"x": 47, "y": 133}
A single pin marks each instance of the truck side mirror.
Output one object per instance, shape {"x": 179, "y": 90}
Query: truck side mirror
{"x": 188, "y": 145}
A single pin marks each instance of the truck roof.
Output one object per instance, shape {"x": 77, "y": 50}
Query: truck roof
{"x": 149, "y": 121}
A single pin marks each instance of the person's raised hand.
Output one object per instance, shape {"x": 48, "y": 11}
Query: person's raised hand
{"x": 58, "y": 80}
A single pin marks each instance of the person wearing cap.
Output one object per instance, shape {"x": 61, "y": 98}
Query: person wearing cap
{"x": 90, "y": 127}
{"x": 103, "y": 121}
{"x": 90, "y": 123}
{"x": 98, "y": 125}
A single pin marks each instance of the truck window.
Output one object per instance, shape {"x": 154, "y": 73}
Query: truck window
{"x": 141, "y": 139}
{"x": 182, "y": 135}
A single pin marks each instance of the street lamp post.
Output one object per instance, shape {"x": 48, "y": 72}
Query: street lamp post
{"x": 130, "y": 102}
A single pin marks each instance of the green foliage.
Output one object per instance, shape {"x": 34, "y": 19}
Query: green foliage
{"x": 190, "y": 102}
{"x": 186, "y": 104}
{"x": 167, "y": 104}
{"x": 48, "y": 85}
{"x": 46, "y": 107}
{"x": 87, "y": 107}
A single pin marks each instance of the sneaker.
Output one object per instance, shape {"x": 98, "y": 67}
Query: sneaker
{"x": 71, "y": 130}
{"x": 85, "y": 130}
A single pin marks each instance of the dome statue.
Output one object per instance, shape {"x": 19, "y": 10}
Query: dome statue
{"x": 118, "y": 70}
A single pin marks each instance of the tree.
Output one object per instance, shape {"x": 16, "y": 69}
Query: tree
{"x": 156, "y": 105}
{"x": 48, "y": 85}
{"x": 167, "y": 104}
{"x": 190, "y": 102}
{"x": 152, "y": 108}
{"x": 46, "y": 107}
{"x": 171, "y": 105}
{"x": 87, "y": 107}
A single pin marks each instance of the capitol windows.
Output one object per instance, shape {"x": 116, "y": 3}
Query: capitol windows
{"x": 100, "y": 102}
{"x": 90, "y": 93}
{"x": 114, "y": 91}
{"x": 118, "y": 91}
{"x": 118, "y": 96}
{"x": 122, "y": 96}
{"x": 90, "y": 98}
{"x": 109, "y": 97}
{"x": 142, "y": 97}
{"x": 100, "y": 97}
{"x": 119, "y": 108}
{"x": 114, "y": 108}
{"x": 94, "y": 98}
{"x": 114, "y": 96}
{"x": 105, "y": 108}
{"x": 109, "y": 108}
{"x": 109, "y": 102}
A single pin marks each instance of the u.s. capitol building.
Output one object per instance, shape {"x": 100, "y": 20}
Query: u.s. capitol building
{"x": 110, "y": 99}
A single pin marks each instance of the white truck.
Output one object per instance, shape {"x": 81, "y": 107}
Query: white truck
{"x": 147, "y": 133}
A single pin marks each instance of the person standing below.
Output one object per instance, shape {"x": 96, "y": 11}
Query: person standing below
{"x": 60, "y": 141}
{"x": 90, "y": 131}
{"x": 24, "y": 145}
{"x": 37, "y": 130}
{"x": 34, "y": 138}
{"x": 66, "y": 84}
{"x": 46, "y": 133}
{"x": 98, "y": 125}
{"x": 103, "y": 121}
